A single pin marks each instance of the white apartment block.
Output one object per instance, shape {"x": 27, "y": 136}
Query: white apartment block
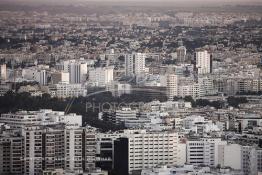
{"x": 41, "y": 77}
{"x": 198, "y": 125}
{"x": 172, "y": 86}
{"x": 206, "y": 86}
{"x": 33, "y": 150}
{"x": 117, "y": 89}
{"x": 146, "y": 149}
{"x": 73, "y": 156}
{"x": 64, "y": 90}
{"x": 58, "y": 77}
{"x": 125, "y": 114}
{"x": 233, "y": 85}
{"x": 77, "y": 72}
{"x": 101, "y": 76}
{"x": 204, "y": 151}
{"x": 149, "y": 149}
{"x": 230, "y": 156}
{"x": 135, "y": 64}
{"x": 181, "y": 154}
{"x": 50, "y": 148}
{"x": 167, "y": 106}
{"x": 190, "y": 121}
{"x": 120, "y": 115}
{"x": 35, "y": 74}
{"x": 203, "y": 62}
{"x": 76, "y": 139}
{"x": 181, "y": 87}
{"x": 3, "y": 72}
{"x": 21, "y": 119}
{"x": 192, "y": 90}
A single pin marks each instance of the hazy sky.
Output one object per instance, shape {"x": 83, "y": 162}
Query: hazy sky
{"x": 162, "y": 2}
{"x": 191, "y": 1}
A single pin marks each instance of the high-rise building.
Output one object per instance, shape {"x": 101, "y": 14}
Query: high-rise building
{"x": 11, "y": 153}
{"x": 55, "y": 147}
{"x": 135, "y": 64}
{"x": 74, "y": 150}
{"x": 203, "y": 62}
{"x": 3, "y": 72}
{"x": 148, "y": 149}
{"x": 37, "y": 74}
{"x": 172, "y": 86}
{"x": 41, "y": 77}
{"x": 206, "y": 86}
{"x": 58, "y": 77}
{"x": 77, "y": 71}
{"x": 101, "y": 76}
{"x": 204, "y": 151}
{"x": 249, "y": 160}
{"x": 44, "y": 148}
{"x": 140, "y": 149}
{"x": 230, "y": 156}
{"x": 38, "y": 147}
{"x": 181, "y": 54}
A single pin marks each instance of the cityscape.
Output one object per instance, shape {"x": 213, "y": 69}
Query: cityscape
{"x": 131, "y": 87}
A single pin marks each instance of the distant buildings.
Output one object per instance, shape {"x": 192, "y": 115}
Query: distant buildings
{"x": 135, "y": 54}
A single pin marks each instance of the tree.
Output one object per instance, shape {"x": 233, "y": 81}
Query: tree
{"x": 176, "y": 98}
{"x": 190, "y": 99}
{"x": 205, "y": 102}
{"x": 235, "y": 101}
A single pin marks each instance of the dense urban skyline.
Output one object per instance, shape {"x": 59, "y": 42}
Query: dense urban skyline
{"x": 128, "y": 87}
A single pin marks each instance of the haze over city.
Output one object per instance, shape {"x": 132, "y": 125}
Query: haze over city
{"x": 144, "y": 2}
{"x": 130, "y": 87}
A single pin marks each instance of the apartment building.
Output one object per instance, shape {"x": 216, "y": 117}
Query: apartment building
{"x": 139, "y": 149}
{"x": 135, "y": 64}
{"x": 41, "y": 117}
{"x": 11, "y": 153}
{"x": 101, "y": 76}
{"x": 203, "y": 62}
{"x": 204, "y": 151}
{"x": 64, "y": 90}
